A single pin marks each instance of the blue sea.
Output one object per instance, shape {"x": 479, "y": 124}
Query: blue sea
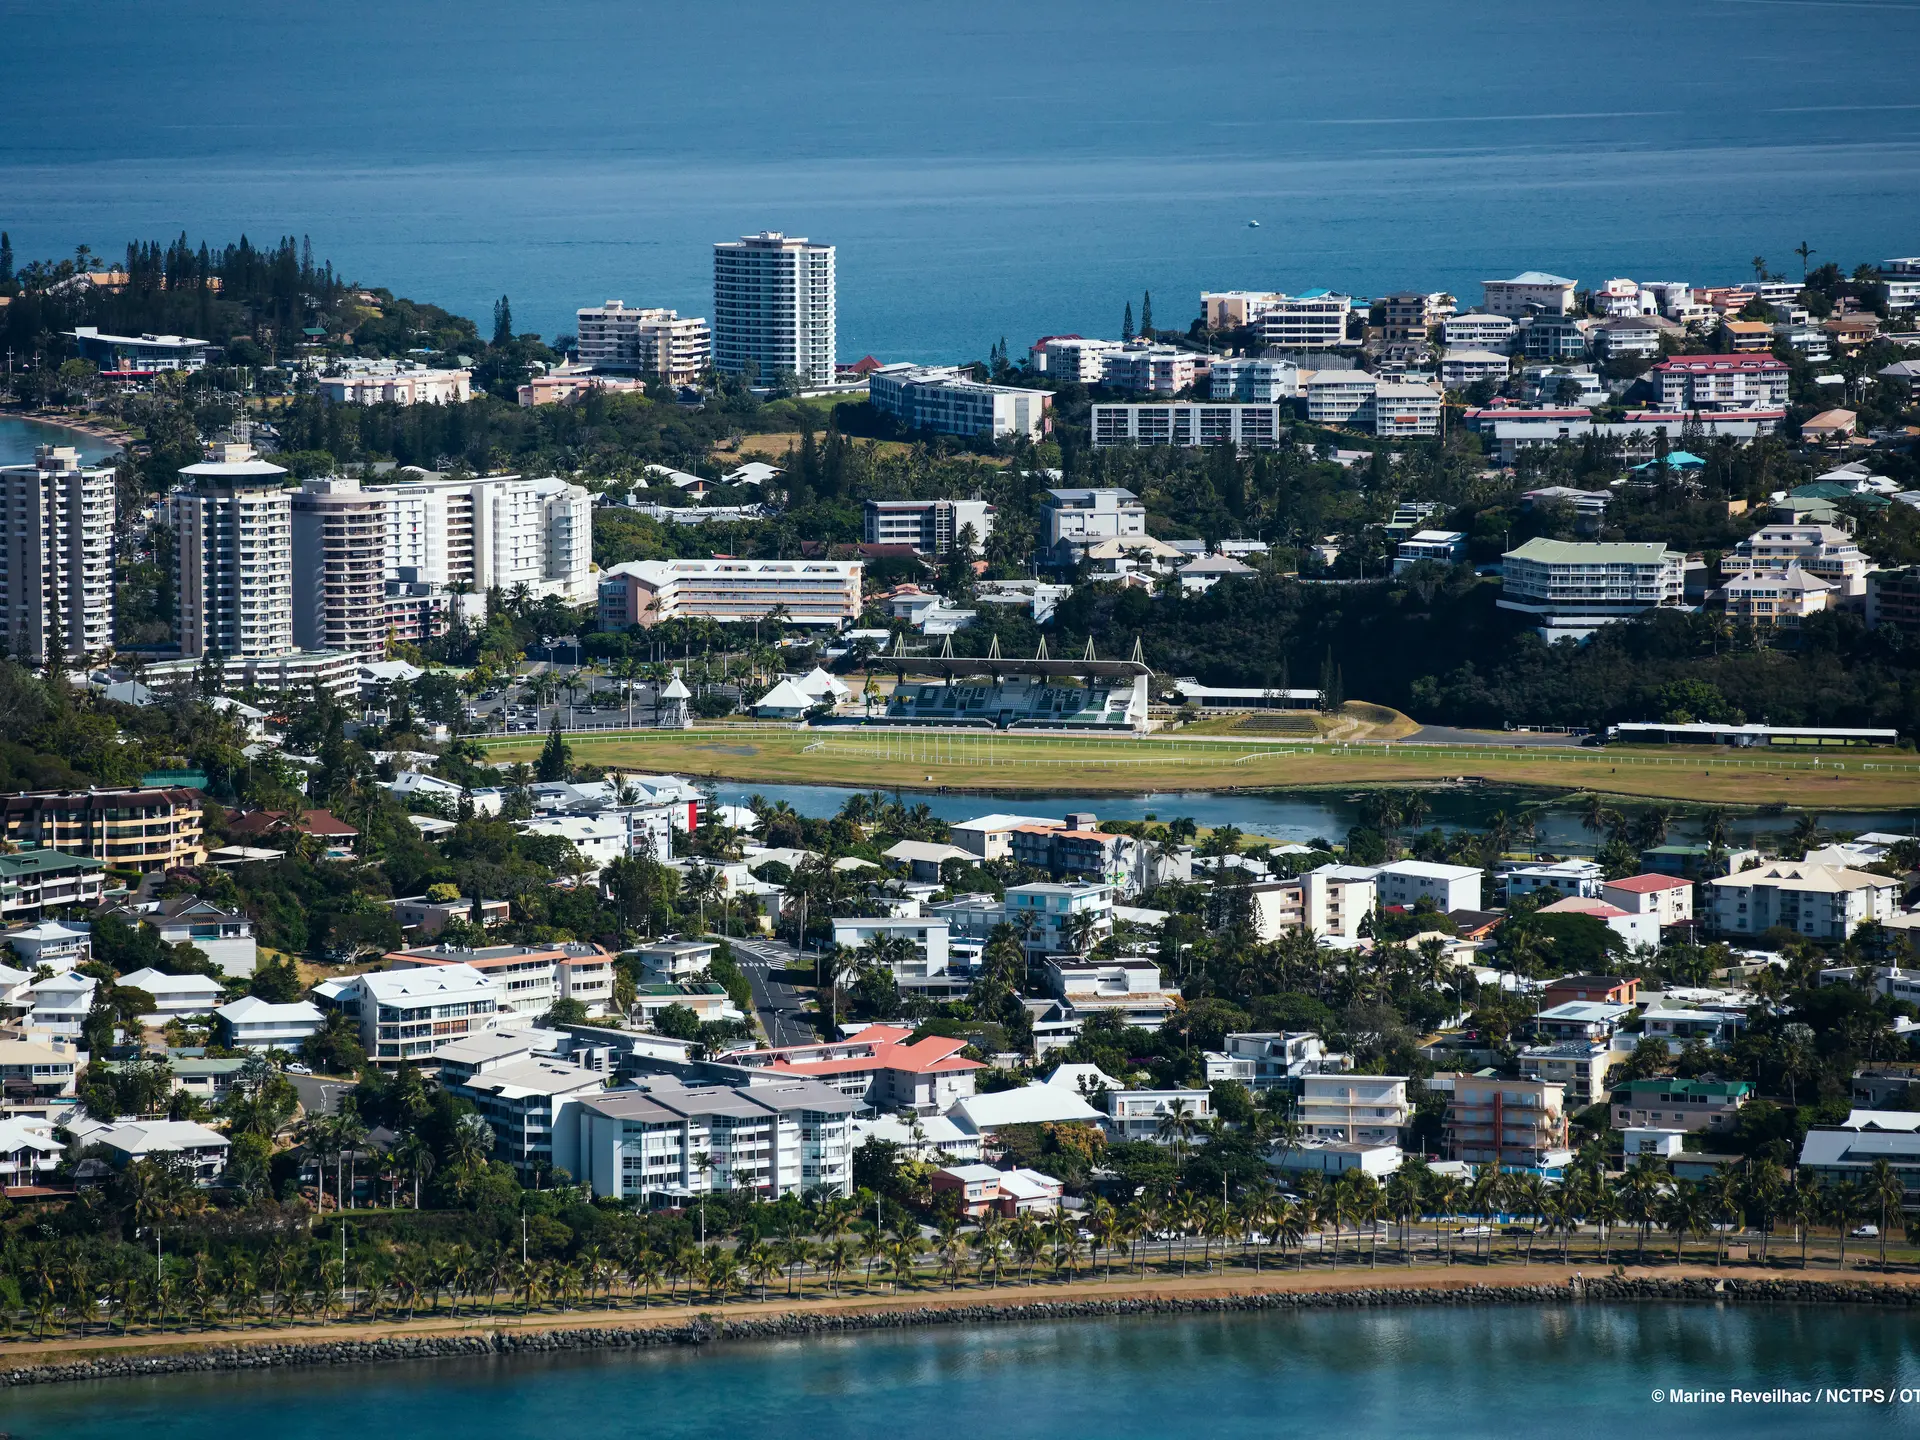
{"x": 1579, "y": 1373}
{"x": 990, "y": 169}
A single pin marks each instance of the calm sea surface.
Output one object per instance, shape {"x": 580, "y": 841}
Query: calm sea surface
{"x": 987, "y": 169}
{"x": 20, "y": 438}
{"x": 1302, "y": 816}
{"x": 1575, "y": 1372}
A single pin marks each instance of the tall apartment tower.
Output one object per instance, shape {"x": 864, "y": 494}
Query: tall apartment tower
{"x": 56, "y": 557}
{"x": 340, "y": 568}
{"x": 234, "y": 528}
{"x": 495, "y": 532}
{"x": 773, "y": 304}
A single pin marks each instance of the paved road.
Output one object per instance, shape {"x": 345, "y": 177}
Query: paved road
{"x": 319, "y": 1095}
{"x": 1447, "y": 735}
{"x": 777, "y": 1004}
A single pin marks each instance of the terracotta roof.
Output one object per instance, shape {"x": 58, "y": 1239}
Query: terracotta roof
{"x": 1647, "y": 884}
{"x": 307, "y": 822}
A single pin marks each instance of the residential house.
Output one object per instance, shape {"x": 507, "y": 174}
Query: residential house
{"x": 1674, "y": 1104}
{"x": 1632, "y": 927}
{"x": 1580, "y": 1020}
{"x": 1442, "y": 547}
{"x": 251, "y": 1023}
{"x": 1140, "y": 1114}
{"x": 407, "y": 1013}
{"x": 1058, "y": 916}
{"x": 430, "y": 917}
{"x": 1405, "y": 883}
{"x": 1606, "y": 989}
{"x": 984, "y": 1190}
{"x": 530, "y": 977}
{"x": 1668, "y": 898}
{"x": 37, "y": 1076}
{"x": 175, "y": 997}
{"x": 202, "y": 1151}
{"x": 1129, "y": 987}
{"x": 29, "y": 1155}
{"x": 1579, "y": 1067}
{"x": 1272, "y": 1060}
{"x": 34, "y": 882}
{"x": 1355, "y": 1109}
{"x": 1561, "y": 878}
{"x": 1331, "y": 901}
{"x": 675, "y": 961}
{"x": 880, "y": 1066}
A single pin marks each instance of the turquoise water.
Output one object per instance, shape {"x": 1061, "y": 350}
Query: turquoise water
{"x": 20, "y": 438}
{"x": 987, "y": 169}
{"x": 1581, "y": 1371}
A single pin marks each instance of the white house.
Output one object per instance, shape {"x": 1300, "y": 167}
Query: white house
{"x": 203, "y": 1150}
{"x": 28, "y": 1153}
{"x": 929, "y": 937}
{"x": 1137, "y": 1114}
{"x": 176, "y": 996}
{"x": 1633, "y": 927}
{"x": 1561, "y": 879}
{"x": 59, "y": 1004}
{"x": 251, "y": 1023}
{"x": 1406, "y": 882}
{"x": 1668, "y": 898}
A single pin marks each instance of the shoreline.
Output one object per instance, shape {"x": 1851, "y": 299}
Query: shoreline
{"x": 113, "y": 1357}
{"x": 97, "y": 429}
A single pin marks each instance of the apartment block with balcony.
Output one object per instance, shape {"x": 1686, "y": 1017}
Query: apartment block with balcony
{"x": 1824, "y": 551}
{"x": 1573, "y": 587}
{"x": 1408, "y": 317}
{"x": 1311, "y": 320}
{"x": 1339, "y": 397}
{"x": 774, "y": 308}
{"x": 1504, "y": 1122}
{"x": 1821, "y": 902}
{"x": 944, "y": 400}
{"x": 1081, "y": 517}
{"x": 56, "y": 557}
{"x": 339, "y": 539}
{"x": 1721, "y": 382}
{"x": 135, "y": 829}
{"x": 811, "y": 592}
{"x": 931, "y": 527}
{"x": 1532, "y": 292}
{"x": 1354, "y": 1109}
{"x": 1331, "y": 901}
{"x": 529, "y": 978}
{"x": 233, "y": 528}
{"x": 667, "y": 1142}
{"x": 1189, "y": 424}
{"x": 1674, "y": 1104}
{"x": 1579, "y": 1067}
{"x": 407, "y": 1014}
{"x": 1143, "y": 368}
{"x": 1254, "y": 382}
{"x": 617, "y": 338}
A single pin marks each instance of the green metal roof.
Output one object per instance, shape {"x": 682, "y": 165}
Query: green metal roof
{"x": 1690, "y": 1089}
{"x": 45, "y": 862}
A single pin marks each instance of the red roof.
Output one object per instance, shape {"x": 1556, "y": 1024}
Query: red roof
{"x": 936, "y": 1053}
{"x": 1583, "y": 905}
{"x": 1647, "y": 884}
{"x": 307, "y": 822}
{"x": 1714, "y": 364}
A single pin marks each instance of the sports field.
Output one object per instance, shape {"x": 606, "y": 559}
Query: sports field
{"x": 1852, "y": 780}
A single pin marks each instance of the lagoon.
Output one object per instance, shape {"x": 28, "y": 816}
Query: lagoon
{"x": 1301, "y": 816}
{"x": 1575, "y": 1371}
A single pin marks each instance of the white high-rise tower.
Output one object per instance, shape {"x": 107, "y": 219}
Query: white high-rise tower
{"x": 773, "y": 305}
{"x": 56, "y": 557}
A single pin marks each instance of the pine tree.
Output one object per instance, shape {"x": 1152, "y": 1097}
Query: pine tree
{"x": 6, "y": 259}
{"x": 1126, "y": 325}
{"x": 1146, "y": 315}
{"x": 502, "y": 322}
{"x": 555, "y": 756}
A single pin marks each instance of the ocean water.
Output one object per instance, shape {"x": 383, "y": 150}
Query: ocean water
{"x": 19, "y": 439}
{"x": 989, "y": 169}
{"x": 1576, "y": 1372}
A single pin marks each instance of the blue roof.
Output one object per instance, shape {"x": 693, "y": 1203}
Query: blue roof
{"x": 1679, "y": 460}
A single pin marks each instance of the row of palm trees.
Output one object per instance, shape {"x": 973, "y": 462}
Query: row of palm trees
{"x": 74, "y": 1287}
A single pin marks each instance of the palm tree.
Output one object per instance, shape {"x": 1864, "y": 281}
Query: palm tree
{"x": 1177, "y": 1125}
{"x": 990, "y": 1246}
{"x": 838, "y": 1258}
{"x": 1645, "y": 1185}
{"x": 1886, "y": 1189}
{"x": 1603, "y": 1205}
{"x": 1844, "y": 1202}
{"x": 1684, "y": 1212}
{"x": 1286, "y": 1228}
{"x": 1801, "y": 1206}
{"x": 903, "y": 1252}
{"x": 763, "y": 1263}
{"x": 1445, "y": 1199}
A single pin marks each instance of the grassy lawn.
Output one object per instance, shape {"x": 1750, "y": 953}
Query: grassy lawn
{"x": 1860, "y": 779}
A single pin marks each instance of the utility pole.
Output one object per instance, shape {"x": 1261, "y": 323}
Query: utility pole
{"x": 523, "y": 1237}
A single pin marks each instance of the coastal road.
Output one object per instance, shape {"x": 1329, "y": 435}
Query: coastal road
{"x": 777, "y": 1004}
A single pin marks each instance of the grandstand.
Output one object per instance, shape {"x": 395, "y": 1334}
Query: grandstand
{"x": 994, "y": 692}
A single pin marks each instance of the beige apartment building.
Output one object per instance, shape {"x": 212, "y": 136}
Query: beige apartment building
{"x": 133, "y": 829}
{"x": 617, "y": 338}
{"x": 811, "y": 592}
{"x": 1327, "y": 901}
{"x": 339, "y": 568}
{"x": 1354, "y": 1109}
{"x": 1496, "y": 1120}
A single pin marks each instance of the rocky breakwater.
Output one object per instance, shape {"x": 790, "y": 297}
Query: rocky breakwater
{"x": 706, "y": 1328}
